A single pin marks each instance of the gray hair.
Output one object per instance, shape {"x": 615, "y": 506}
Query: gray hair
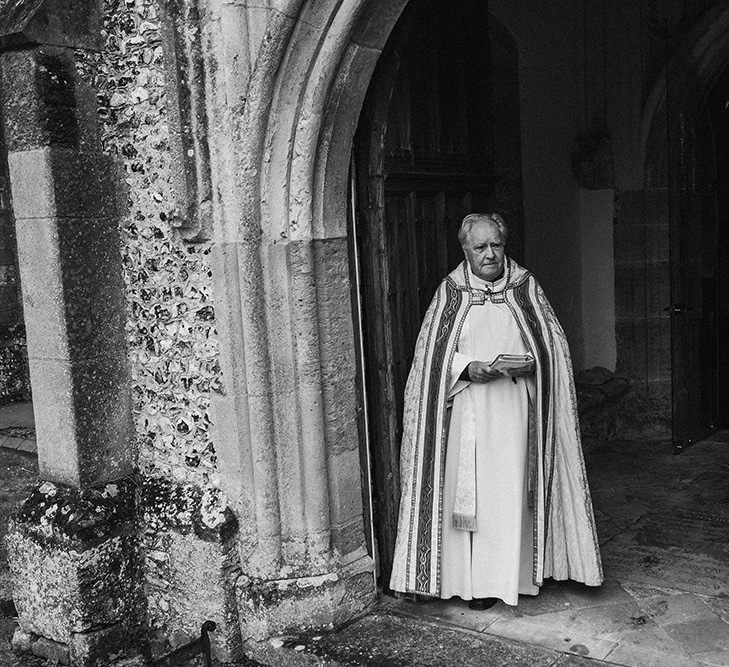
{"x": 473, "y": 218}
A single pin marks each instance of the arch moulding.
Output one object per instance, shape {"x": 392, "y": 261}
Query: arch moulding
{"x": 287, "y": 432}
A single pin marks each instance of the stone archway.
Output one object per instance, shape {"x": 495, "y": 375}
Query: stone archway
{"x": 287, "y": 424}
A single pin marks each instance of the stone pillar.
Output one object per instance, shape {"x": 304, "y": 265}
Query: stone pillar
{"x": 287, "y": 420}
{"x": 72, "y": 547}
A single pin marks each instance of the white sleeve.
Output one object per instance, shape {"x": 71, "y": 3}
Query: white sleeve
{"x": 460, "y": 361}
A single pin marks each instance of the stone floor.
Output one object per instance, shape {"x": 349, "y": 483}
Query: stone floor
{"x": 17, "y": 427}
{"x": 663, "y": 522}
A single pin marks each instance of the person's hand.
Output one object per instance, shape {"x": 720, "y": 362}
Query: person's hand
{"x": 480, "y": 371}
{"x": 527, "y": 369}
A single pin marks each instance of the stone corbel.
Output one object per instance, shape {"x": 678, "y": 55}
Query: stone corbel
{"x": 184, "y": 65}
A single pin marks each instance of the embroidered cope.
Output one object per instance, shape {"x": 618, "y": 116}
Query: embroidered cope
{"x": 494, "y": 493}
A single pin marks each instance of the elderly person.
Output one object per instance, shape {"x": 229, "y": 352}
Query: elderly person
{"x": 494, "y": 494}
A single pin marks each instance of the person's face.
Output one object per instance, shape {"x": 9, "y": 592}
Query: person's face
{"x": 484, "y": 250}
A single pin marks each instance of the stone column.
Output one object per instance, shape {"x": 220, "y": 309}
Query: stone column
{"x": 72, "y": 547}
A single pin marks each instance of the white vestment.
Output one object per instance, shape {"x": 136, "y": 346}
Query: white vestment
{"x": 495, "y": 560}
{"x": 510, "y": 432}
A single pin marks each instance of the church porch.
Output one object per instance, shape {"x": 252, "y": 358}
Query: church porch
{"x": 664, "y": 535}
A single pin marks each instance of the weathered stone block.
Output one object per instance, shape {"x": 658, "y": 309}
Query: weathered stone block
{"x": 348, "y": 538}
{"x": 75, "y": 565}
{"x": 201, "y": 588}
{"x": 345, "y": 486}
{"x": 191, "y": 564}
{"x": 283, "y": 606}
{"x": 74, "y": 308}
{"x": 55, "y": 652}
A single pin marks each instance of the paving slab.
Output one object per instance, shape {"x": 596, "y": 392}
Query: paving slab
{"x": 19, "y": 415}
{"x": 569, "y": 660}
{"x": 581, "y": 596}
{"x": 673, "y": 609}
{"x": 640, "y": 656}
{"x": 563, "y": 631}
{"x": 701, "y": 635}
{"x": 712, "y": 658}
{"x": 719, "y": 605}
{"x": 551, "y": 598}
{"x": 688, "y": 549}
{"x": 454, "y": 612}
{"x": 606, "y": 527}
{"x": 643, "y": 593}
{"x": 614, "y": 621}
{"x": 17, "y": 427}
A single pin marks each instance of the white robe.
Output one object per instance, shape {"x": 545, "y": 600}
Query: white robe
{"x": 496, "y": 559}
{"x": 564, "y": 540}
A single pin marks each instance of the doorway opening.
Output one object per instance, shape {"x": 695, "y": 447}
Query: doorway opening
{"x": 434, "y": 143}
{"x": 416, "y": 178}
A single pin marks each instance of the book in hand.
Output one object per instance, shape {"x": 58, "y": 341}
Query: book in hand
{"x": 506, "y": 363}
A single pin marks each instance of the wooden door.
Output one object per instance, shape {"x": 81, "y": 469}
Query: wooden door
{"x": 720, "y": 126}
{"x": 693, "y": 252}
{"x": 428, "y": 151}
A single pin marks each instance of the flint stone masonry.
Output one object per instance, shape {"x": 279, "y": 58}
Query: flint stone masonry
{"x": 76, "y": 571}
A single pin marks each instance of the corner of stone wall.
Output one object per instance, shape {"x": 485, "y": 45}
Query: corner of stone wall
{"x": 190, "y": 566}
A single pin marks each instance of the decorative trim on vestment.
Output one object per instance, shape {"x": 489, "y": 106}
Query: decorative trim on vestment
{"x": 419, "y": 422}
{"x": 425, "y": 525}
{"x": 525, "y": 295}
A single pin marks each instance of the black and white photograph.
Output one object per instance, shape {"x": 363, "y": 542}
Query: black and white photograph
{"x": 364, "y": 333}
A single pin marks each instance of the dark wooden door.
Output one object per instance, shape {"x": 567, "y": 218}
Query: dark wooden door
{"x": 693, "y": 251}
{"x": 429, "y": 150}
{"x": 720, "y": 126}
